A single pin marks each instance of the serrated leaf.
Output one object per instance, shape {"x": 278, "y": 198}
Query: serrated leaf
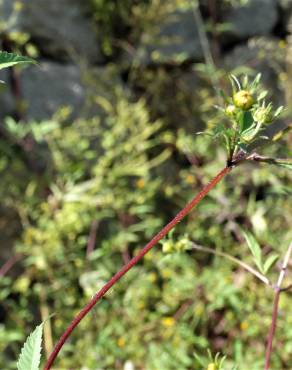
{"x": 30, "y": 355}
{"x": 269, "y": 263}
{"x": 255, "y": 249}
{"x": 11, "y": 59}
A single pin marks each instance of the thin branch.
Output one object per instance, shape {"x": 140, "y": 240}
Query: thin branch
{"x": 276, "y": 307}
{"x": 205, "y": 44}
{"x": 161, "y": 234}
{"x": 92, "y": 238}
{"x": 276, "y": 161}
{"x": 244, "y": 265}
{"x": 183, "y": 308}
{"x": 9, "y": 264}
{"x": 287, "y": 288}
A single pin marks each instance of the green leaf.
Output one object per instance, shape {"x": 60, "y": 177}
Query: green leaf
{"x": 262, "y": 95}
{"x": 255, "y": 249}
{"x": 256, "y": 81}
{"x": 270, "y": 261}
{"x": 283, "y": 162}
{"x": 235, "y": 83}
{"x": 287, "y": 163}
{"x": 11, "y": 59}
{"x": 278, "y": 111}
{"x": 246, "y": 121}
{"x": 30, "y": 355}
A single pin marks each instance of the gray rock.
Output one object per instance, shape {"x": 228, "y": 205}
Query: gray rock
{"x": 285, "y": 4}
{"x": 256, "y": 18}
{"x": 45, "y": 89}
{"x": 171, "y": 40}
{"x": 60, "y": 28}
{"x": 286, "y": 7}
{"x": 50, "y": 86}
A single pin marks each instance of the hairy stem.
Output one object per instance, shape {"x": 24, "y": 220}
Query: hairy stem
{"x": 133, "y": 262}
{"x": 276, "y": 307}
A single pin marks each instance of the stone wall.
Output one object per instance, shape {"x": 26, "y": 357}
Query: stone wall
{"x": 70, "y": 43}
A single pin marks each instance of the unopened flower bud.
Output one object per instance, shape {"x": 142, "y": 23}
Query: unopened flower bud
{"x": 263, "y": 115}
{"x": 230, "y": 110}
{"x": 243, "y": 99}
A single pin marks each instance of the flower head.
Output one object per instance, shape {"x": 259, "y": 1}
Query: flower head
{"x": 243, "y": 99}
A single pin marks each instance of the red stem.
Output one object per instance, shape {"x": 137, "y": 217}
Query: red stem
{"x": 272, "y": 328}
{"x": 9, "y": 264}
{"x": 133, "y": 262}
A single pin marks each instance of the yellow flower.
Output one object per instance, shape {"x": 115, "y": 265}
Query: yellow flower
{"x": 243, "y": 325}
{"x": 168, "y": 322}
{"x": 121, "y": 342}
{"x": 212, "y": 366}
{"x": 243, "y": 99}
{"x": 18, "y": 6}
{"x": 140, "y": 183}
{"x": 190, "y": 179}
{"x": 167, "y": 246}
{"x": 152, "y": 277}
{"x": 282, "y": 44}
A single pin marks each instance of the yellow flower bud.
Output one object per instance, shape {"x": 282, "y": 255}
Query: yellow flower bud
{"x": 212, "y": 366}
{"x": 168, "y": 322}
{"x": 243, "y": 99}
{"x": 230, "y": 110}
{"x": 167, "y": 246}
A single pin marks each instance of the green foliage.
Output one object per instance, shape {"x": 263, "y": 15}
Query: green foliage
{"x": 30, "y": 355}
{"x": 256, "y": 251}
{"x": 213, "y": 363}
{"x": 11, "y": 59}
{"x": 120, "y": 176}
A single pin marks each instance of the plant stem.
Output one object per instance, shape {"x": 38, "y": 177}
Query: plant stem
{"x": 92, "y": 238}
{"x": 276, "y": 307}
{"x": 9, "y": 264}
{"x": 244, "y": 265}
{"x": 207, "y": 188}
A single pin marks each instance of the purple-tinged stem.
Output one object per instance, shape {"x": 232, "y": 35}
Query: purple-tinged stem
{"x": 276, "y": 308}
{"x": 9, "y": 264}
{"x": 133, "y": 262}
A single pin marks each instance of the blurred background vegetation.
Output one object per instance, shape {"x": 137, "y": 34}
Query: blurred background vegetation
{"x": 99, "y": 150}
